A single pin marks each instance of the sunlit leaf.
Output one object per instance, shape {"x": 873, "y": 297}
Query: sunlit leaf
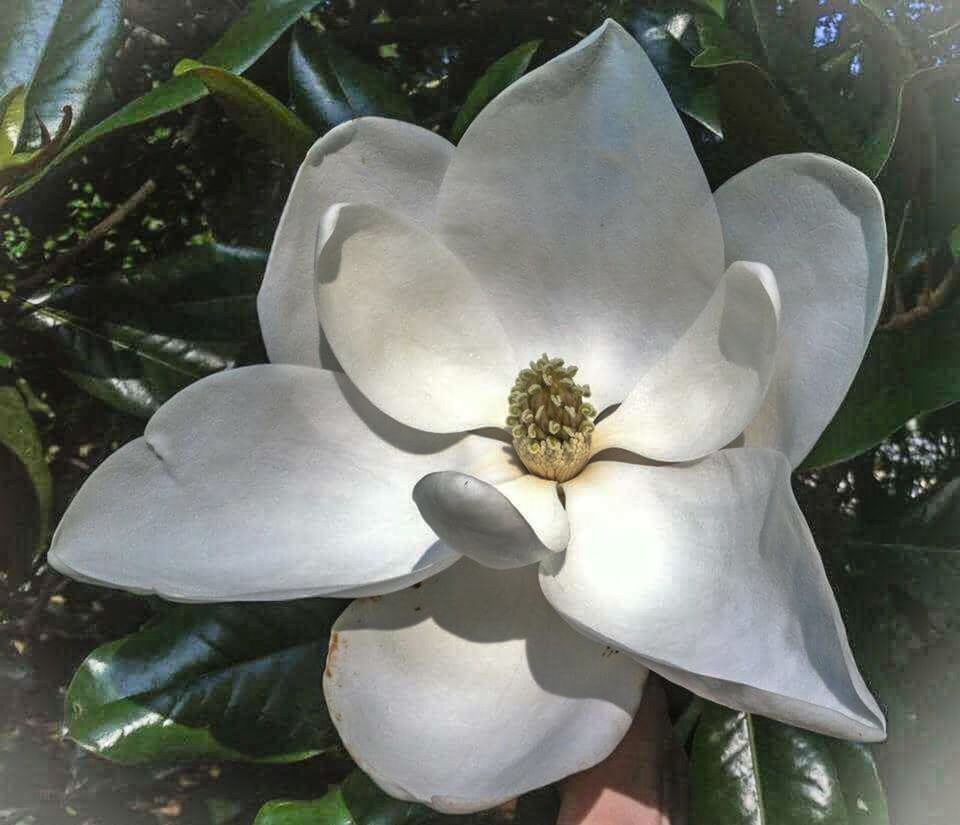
{"x": 747, "y": 770}
{"x": 240, "y": 46}
{"x": 508, "y": 69}
{"x": 255, "y": 111}
{"x": 229, "y": 681}
{"x": 331, "y": 86}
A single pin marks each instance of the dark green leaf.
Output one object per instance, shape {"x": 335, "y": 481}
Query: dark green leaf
{"x": 18, "y": 434}
{"x": 845, "y": 89}
{"x": 240, "y": 46}
{"x": 508, "y": 69}
{"x": 721, "y": 44}
{"x": 131, "y": 369}
{"x": 905, "y": 373}
{"x": 256, "y": 111}
{"x": 693, "y": 92}
{"x": 748, "y": 770}
{"x": 228, "y": 681}
{"x": 140, "y": 336}
{"x": 331, "y": 86}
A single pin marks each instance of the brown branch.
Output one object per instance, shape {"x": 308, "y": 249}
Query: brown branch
{"x": 928, "y": 302}
{"x": 100, "y": 231}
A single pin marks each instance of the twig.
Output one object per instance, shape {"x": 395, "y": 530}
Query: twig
{"x": 100, "y": 231}
{"x": 928, "y": 302}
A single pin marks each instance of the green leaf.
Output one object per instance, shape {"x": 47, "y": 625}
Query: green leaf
{"x": 330, "y": 85}
{"x": 58, "y": 51}
{"x": 693, "y": 93}
{"x": 846, "y": 89}
{"x": 131, "y": 369}
{"x": 255, "y": 111}
{"x": 356, "y": 801}
{"x": 141, "y": 336}
{"x": 240, "y": 47}
{"x": 508, "y": 69}
{"x": 748, "y": 770}
{"x": 18, "y": 433}
{"x": 12, "y": 114}
{"x": 721, "y": 44}
{"x": 227, "y": 681}
{"x": 328, "y": 810}
{"x": 905, "y": 373}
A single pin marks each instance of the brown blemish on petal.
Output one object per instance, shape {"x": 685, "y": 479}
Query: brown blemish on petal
{"x": 332, "y": 650}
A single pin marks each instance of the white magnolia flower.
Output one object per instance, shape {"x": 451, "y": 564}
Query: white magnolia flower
{"x": 572, "y": 219}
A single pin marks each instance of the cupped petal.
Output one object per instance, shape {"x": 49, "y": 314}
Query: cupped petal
{"x": 819, "y": 225}
{"x": 469, "y": 690}
{"x": 709, "y": 386}
{"x": 266, "y": 482}
{"x": 369, "y": 160}
{"x": 409, "y": 324}
{"x": 513, "y": 525}
{"x": 708, "y": 574}
{"x": 577, "y": 200}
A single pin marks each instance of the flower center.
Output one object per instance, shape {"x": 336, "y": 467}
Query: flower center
{"x": 549, "y": 419}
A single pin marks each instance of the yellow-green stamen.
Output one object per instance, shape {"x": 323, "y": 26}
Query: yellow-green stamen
{"x": 549, "y": 419}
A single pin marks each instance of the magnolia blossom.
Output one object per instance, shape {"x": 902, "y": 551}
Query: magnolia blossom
{"x": 571, "y": 528}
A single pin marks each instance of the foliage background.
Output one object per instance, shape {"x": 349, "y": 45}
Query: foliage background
{"x": 98, "y": 326}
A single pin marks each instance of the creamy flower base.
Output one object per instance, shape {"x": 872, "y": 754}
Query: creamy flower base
{"x": 572, "y": 219}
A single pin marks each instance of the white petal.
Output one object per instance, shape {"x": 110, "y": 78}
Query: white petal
{"x": 369, "y": 160}
{"x": 818, "y": 224}
{"x": 577, "y": 200}
{"x": 267, "y": 482}
{"x": 517, "y": 524}
{"x": 708, "y": 574}
{"x": 710, "y": 385}
{"x": 469, "y": 690}
{"x": 409, "y": 324}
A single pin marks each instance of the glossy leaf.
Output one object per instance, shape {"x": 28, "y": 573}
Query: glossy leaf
{"x": 58, "y": 52}
{"x": 18, "y": 434}
{"x": 131, "y": 369}
{"x": 905, "y": 373}
{"x": 255, "y": 111}
{"x": 140, "y": 336}
{"x": 508, "y": 69}
{"x": 840, "y": 73}
{"x": 330, "y": 85}
{"x": 241, "y": 45}
{"x": 693, "y": 92}
{"x": 748, "y": 770}
{"x": 12, "y": 114}
{"x": 229, "y": 681}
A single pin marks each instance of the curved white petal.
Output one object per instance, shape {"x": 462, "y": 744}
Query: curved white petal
{"x": 511, "y": 526}
{"x": 708, "y": 574}
{"x": 409, "y": 324}
{"x": 576, "y": 199}
{"x": 709, "y": 386}
{"x": 266, "y": 482}
{"x": 370, "y": 160}
{"x": 818, "y": 224}
{"x": 469, "y": 690}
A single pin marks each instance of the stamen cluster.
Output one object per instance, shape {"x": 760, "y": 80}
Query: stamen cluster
{"x": 549, "y": 419}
